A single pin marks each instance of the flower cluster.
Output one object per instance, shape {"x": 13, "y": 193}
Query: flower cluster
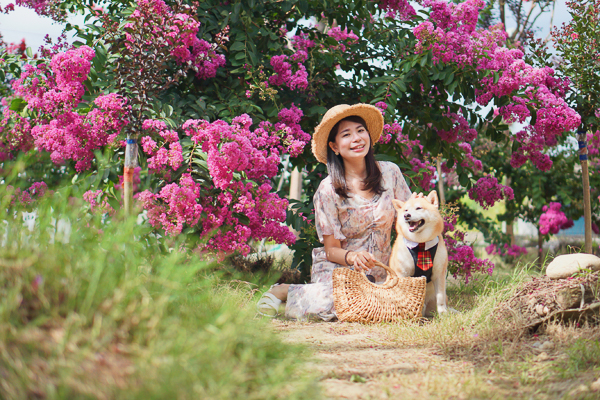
{"x": 553, "y": 219}
{"x": 98, "y": 203}
{"x": 426, "y": 172}
{"x": 593, "y": 143}
{"x": 487, "y": 191}
{"x": 465, "y": 257}
{"x": 461, "y": 258}
{"x": 507, "y": 250}
{"x": 451, "y": 34}
{"x": 178, "y": 31}
{"x": 167, "y": 152}
{"x": 461, "y": 131}
{"x": 343, "y": 37}
{"x": 469, "y": 161}
{"x": 240, "y": 204}
{"x": 285, "y": 76}
{"x": 53, "y": 92}
{"x": 397, "y": 9}
{"x": 45, "y": 8}
{"x": 174, "y": 205}
{"x": 301, "y": 44}
{"x": 30, "y": 195}
{"x": 15, "y": 132}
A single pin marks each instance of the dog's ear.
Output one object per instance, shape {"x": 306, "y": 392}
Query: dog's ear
{"x": 397, "y": 204}
{"x": 432, "y": 197}
{"x": 414, "y": 195}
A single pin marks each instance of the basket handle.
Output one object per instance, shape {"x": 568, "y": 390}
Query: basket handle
{"x": 392, "y": 279}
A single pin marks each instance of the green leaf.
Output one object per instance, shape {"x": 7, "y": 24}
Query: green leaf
{"x": 385, "y": 157}
{"x": 463, "y": 179}
{"x": 29, "y": 52}
{"x": 17, "y": 104}
{"x": 357, "y": 379}
{"x": 242, "y": 218}
{"x": 237, "y": 46}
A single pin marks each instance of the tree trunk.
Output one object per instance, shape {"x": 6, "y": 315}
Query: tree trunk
{"x": 440, "y": 181}
{"x": 510, "y": 232}
{"x": 587, "y": 209}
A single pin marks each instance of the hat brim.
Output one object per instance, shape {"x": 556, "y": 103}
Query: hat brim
{"x": 371, "y": 114}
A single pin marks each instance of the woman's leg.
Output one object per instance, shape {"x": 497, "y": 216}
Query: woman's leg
{"x": 280, "y": 291}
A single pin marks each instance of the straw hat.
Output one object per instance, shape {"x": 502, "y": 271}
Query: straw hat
{"x": 369, "y": 113}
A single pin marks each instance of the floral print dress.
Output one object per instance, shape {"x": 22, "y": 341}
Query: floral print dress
{"x": 359, "y": 224}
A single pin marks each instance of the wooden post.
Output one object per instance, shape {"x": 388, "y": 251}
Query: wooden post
{"x": 128, "y": 170}
{"x": 510, "y": 230}
{"x": 540, "y": 249}
{"x": 587, "y": 209}
{"x": 296, "y": 185}
{"x": 441, "y": 194}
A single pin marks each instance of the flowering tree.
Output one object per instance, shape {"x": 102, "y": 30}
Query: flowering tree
{"x": 217, "y": 92}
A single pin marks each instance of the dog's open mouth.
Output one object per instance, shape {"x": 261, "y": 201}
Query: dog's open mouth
{"x": 415, "y": 225}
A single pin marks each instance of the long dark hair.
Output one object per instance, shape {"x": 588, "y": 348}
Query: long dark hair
{"x": 335, "y": 164}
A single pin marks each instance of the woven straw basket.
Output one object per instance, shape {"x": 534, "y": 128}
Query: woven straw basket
{"x": 358, "y": 300}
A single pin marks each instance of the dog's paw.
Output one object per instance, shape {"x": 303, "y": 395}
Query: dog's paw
{"x": 442, "y": 310}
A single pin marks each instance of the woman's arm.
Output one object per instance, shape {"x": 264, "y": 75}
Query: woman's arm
{"x": 360, "y": 260}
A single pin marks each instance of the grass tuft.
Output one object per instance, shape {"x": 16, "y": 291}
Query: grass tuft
{"x": 93, "y": 309}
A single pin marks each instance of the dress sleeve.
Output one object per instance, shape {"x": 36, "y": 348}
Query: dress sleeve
{"x": 327, "y": 221}
{"x": 401, "y": 190}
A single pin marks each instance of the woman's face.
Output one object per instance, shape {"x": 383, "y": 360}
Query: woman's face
{"x": 352, "y": 140}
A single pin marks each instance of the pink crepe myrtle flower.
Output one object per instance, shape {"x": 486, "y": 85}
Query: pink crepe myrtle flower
{"x": 553, "y": 219}
{"x": 487, "y": 191}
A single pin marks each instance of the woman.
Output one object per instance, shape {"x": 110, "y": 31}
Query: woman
{"x": 354, "y": 214}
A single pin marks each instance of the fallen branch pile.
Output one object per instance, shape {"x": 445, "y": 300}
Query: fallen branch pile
{"x": 544, "y": 299}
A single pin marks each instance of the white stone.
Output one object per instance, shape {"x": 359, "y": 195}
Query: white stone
{"x": 568, "y": 264}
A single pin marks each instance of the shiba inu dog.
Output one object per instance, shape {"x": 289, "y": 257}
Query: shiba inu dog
{"x": 420, "y": 250}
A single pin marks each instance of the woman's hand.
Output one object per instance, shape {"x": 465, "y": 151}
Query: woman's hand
{"x": 361, "y": 260}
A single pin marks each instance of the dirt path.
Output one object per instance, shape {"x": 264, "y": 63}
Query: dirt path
{"x": 355, "y": 361}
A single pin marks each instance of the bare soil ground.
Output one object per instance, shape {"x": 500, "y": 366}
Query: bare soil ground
{"x": 355, "y": 361}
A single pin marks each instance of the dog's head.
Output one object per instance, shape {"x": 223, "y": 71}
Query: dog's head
{"x": 419, "y": 218}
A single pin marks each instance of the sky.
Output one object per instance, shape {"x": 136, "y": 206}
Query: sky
{"x": 25, "y": 23}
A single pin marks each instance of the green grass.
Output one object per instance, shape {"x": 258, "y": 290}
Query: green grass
{"x": 103, "y": 312}
{"x": 582, "y": 355}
